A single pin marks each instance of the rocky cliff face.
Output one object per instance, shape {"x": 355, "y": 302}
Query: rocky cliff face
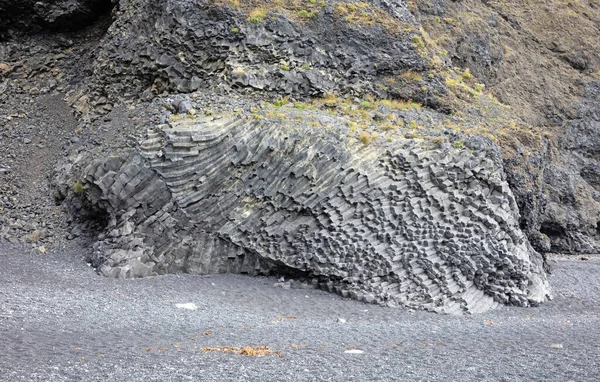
{"x": 392, "y": 223}
{"x": 541, "y": 58}
{"x": 394, "y": 50}
{"x": 412, "y": 88}
{"x": 295, "y": 48}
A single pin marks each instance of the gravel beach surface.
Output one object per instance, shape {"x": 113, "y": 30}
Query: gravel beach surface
{"x": 59, "y": 321}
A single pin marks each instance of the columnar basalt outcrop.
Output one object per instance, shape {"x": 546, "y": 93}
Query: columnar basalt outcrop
{"x": 393, "y": 223}
{"x": 386, "y": 49}
{"x": 184, "y": 46}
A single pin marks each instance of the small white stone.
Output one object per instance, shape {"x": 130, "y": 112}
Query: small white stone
{"x": 354, "y": 351}
{"x": 341, "y": 320}
{"x": 188, "y": 306}
{"x": 556, "y": 346}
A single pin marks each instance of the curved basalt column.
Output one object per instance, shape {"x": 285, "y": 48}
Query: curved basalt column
{"x": 396, "y": 224}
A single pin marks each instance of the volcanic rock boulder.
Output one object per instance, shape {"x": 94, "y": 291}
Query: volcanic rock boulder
{"x": 392, "y": 223}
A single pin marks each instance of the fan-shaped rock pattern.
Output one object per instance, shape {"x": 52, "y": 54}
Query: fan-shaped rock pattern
{"x": 396, "y": 224}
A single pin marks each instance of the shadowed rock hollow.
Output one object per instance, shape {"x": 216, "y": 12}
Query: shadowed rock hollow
{"x": 34, "y": 16}
{"x": 390, "y": 223}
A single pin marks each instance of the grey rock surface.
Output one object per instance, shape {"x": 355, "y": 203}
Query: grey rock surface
{"x": 555, "y": 184}
{"x": 186, "y": 46}
{"x": 59, "y": 321}
{"x": 183, "y": 46}
{"x": 394, "y": 223}
{"x": 572, "y": 215}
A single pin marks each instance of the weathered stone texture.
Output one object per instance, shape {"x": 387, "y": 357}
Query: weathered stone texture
{"x": 184, "y": 46}
{"x": 390, "y": 224}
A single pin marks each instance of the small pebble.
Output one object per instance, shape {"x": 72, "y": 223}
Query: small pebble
{"x": 354, "y": 351}
{"x": 188, "y": 306}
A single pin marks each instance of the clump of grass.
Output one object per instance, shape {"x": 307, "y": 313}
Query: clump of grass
{"x": 458, "y": 83}
{"x": 329, "y": 99}
{"x": 305, "y": 67}
{"x": 302, "y": 106}
{"x": 271, "y": 113}
{"x": 285, "y": 67}
{"x": 306, "y": 14}
{"x": 459, "y": 145}
{"x": 452, "y": 82}
{"x": 418, "y": 41}
{"x": 360, "y": 12}
{"x": 366, "y": 105}
{"x": 235, "y": 30}
{"x": 78, "y": 187}
{"x": 438, "y": 141}
{"x": 281, "y": 101}
{"x": 387, "y": 126}
{"x": 412, "y": 76}
{"x": 257, "y": 15}
{"x": 365, "y": 138}
{"x": 467, "y": 74}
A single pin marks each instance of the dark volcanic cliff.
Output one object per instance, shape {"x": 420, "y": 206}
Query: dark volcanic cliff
{"x": 477, "y": 79}
{"x": 394, "y": 50}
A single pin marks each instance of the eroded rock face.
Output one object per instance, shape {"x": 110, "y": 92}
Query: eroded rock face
{"x": 571, "y": 219}
{"x": 392, "y": 223}
{"x": 184, "y": 45}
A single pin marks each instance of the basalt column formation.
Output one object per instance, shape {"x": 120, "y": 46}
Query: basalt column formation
{"x": 394, "y": 224}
